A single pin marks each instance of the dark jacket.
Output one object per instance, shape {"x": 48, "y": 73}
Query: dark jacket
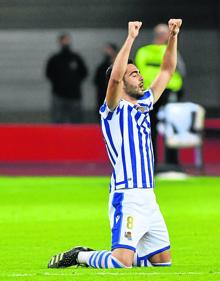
{"x": 66, "y": 70}
{"x": 100, "y": 80}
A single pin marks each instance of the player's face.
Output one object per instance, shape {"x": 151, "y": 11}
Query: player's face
{"x": 133, "y": 82}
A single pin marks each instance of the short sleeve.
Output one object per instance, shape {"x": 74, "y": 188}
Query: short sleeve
{"x": 147, "y": 99}
{"x": 106, "y": 112}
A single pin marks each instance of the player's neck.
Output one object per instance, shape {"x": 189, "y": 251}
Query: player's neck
{"x": 130, "y": 99}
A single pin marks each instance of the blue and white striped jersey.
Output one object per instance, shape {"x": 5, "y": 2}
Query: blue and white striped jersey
{"x": 127, "y": 134}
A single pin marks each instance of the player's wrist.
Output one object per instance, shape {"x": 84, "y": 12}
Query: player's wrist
{"x": 131, "y": 37}
{"x": 173, "y": 35}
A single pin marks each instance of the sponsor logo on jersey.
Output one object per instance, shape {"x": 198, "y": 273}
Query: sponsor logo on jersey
{"x": 117, "y": 219}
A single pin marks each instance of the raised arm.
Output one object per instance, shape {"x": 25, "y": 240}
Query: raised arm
{"x": 114, "y": 90}
{"x": 169, "y": 60}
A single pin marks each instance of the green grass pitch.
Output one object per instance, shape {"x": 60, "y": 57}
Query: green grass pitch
{"x": 42, "y": 216}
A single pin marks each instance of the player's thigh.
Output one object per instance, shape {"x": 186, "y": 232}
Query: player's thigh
{"x": 156, "y": 240}
{"x": 128, "y": 223}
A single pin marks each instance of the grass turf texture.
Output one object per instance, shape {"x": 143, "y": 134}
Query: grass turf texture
{"x": 43, "y": 216}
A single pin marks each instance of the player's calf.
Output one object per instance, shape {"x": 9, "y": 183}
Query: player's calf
{"x": 101, "y": 259}
{"x": 125, "y": 256}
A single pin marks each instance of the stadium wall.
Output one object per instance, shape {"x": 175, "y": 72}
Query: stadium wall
{"x": 23, "y": 55}
{"x": 109, "y": 13}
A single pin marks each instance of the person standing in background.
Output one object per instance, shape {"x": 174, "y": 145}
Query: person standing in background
{"x": 66, "y": 71}
{"x": 109, "y": 53}
{"x": 149, "y": 59}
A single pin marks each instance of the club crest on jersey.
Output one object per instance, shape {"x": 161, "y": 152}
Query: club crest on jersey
{"x": 128, "y": 235}
{"x": 141, "y": 108}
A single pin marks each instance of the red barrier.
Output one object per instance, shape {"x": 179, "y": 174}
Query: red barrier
{"x": 212, "y": 123}
{"x": 79, "y": 143}
{"x": 52, "y": 143}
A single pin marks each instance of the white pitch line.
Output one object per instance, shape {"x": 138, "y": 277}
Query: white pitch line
{"x": 106, "y": 273}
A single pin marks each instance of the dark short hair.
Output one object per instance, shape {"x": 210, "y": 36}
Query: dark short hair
{"x": 109, "y": 69}
{"x": 63, "y": 35}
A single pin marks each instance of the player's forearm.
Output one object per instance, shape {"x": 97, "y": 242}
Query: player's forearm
{"x": 115, "y": 84}
{"x": 121, "y": 61}
{"x": 170, "y": 57}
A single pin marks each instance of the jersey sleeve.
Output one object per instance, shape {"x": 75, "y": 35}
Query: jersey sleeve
{"x": 106, "y": 112}
{"x": 147, "y": 99}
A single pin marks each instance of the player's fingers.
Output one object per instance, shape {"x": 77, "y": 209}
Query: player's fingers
{"x": 179, "y": 22}
{"x": 171, "y": 21}
{"x": 132, "y": 24}
{"x": 174, "y": 26}
{"x": 137, "y": 24}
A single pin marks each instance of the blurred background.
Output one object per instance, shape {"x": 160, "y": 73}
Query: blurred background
{"x": 28, "y": 38}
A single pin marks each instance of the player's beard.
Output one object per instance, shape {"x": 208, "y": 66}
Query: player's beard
{"x": 134, "y": 92}
{"x": 136, "y": 95}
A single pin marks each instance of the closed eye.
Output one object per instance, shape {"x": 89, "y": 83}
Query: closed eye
{"x": 134, "y": 73}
